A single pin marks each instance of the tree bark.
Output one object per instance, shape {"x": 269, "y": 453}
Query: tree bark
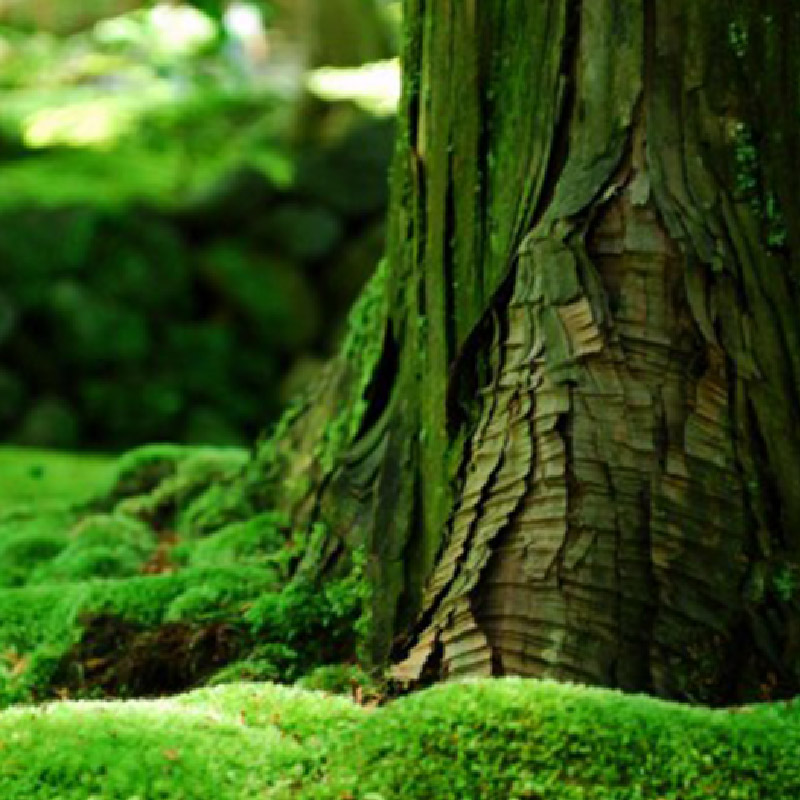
{"x": 566, "y": 438}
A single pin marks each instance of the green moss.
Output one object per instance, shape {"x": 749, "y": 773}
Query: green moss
{"x": 191, "y": 486}
{"x": 361, "y": 351}
{"x": 101, "y": 546}
{"x": 309, "y": 624}
{"x": 751, "y": 186}
{"x": 60, "y": 546}
{"x": 342, "y": 679}
{"x": 40, "y": 624}
{"x": 155, "y": 749}
{"x": 159, "y": 482}
{"x": 522, "y": 739}
{"x": 75, "y": 582}
{"x": 255, "y": 541}
{"x": 26, "y": 550}
{"x": 509, "y": 738}
{"x": 147, "y": 600}
{"x": 50, "y": 478}
{"x": 117, "y": 529}
{"x": 74, "y": 579}
{"x": 304, "y": 715}
{"x": 143, "y": 469}
{"x": 70, "y": 572}
{"x": 94, "y": 561}
{"x": 216, "y": 506}
{"x": 247, "y": 671}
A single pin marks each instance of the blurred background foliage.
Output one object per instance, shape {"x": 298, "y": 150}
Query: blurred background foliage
{"x": 191, "y": 195}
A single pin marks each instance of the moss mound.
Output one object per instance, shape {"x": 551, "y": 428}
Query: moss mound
{"x": 129, "y": 591}
{"x": 513, "y": 738}
{"x": 152, "y": 750}
{"x": 510, "y": 739}
{"x": 128, "y": 595}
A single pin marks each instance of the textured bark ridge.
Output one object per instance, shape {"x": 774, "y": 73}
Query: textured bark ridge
{"x": 602, "y": 515}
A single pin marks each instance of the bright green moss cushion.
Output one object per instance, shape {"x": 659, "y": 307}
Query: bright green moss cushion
{"x": 501, "y": 739}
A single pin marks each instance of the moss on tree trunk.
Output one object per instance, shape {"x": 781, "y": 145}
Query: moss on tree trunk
{"x": 566, "y": 436}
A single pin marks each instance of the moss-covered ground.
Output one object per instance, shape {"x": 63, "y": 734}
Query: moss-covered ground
{"x": 106, "y": 601}
{"x": 127, "y": 579}
{"x": 42, "y": 477}
{"x": 509, "y": 739}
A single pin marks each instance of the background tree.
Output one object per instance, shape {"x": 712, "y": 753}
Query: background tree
{"x": 60, "y": 17}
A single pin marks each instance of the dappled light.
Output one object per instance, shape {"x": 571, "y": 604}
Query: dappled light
{"x": 374, "y": 87}
{"x": 94, "y": 122}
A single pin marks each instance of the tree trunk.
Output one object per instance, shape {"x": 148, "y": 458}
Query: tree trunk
{"x": 563, "y": 424}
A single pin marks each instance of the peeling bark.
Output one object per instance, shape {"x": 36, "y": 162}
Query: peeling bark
{"x": 586, "y": 464}
{"x": 602, "y": 517}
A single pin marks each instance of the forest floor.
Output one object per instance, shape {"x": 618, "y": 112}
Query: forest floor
{"x": 507, "y": 738}
{"x": 100, "y": 613}
{"x": 44, "y": 478}
{"x": 106, "y": 593}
